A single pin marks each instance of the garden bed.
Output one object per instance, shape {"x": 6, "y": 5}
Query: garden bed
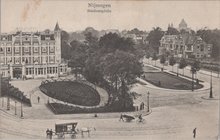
{"x": 169, "y": 81}
{"x": 71, "y": 92}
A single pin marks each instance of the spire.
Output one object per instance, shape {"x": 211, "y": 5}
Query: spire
{"x": 57, "y": 28}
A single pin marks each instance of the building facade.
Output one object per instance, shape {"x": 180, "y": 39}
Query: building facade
{"x": 31, "y": 54}
{"x": 185, "y": 45}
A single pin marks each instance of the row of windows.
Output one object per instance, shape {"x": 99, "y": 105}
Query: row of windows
{"x": 41, "y": 71}
{"x": 27, "y": 60}
{"x": 27, "y": 49}
{"x": 34, "y": 44}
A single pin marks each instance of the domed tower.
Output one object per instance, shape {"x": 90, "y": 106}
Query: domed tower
{"x": 57, "y": 37}
{"x": 183, "y": 25}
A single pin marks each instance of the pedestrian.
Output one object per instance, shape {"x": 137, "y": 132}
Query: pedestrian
{"x": 38, "y": 99}
{"x": 194, "y": 133}
{"x": 121, "y": 118}
{"x": 51, "y": 133}
{"x": 140, "y": 118}
{"x": 143, "y": 105}
{"x": 47, "y": 132}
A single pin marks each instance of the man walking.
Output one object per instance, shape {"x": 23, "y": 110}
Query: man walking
{"x": 121, "y": 118}
{"x": 194, "y": 133}
{"x": 38, "y": 99}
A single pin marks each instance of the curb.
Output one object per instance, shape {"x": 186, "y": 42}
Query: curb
{"x": 212, "y": 99}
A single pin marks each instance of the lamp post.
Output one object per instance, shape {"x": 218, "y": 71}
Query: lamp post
{"x": 22, "y": 108}
{"x": 8, "y": 99}
{"x": 211, "y": 95}
{"x": 148, "y": 102}
{"x": 192, "y": 71}
{"x": 2, "y": 102}
{"x": 8, "y": 103}
{"x": 15, "y": 108}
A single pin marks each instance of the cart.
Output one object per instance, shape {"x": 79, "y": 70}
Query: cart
{"x": 65, "y": 129}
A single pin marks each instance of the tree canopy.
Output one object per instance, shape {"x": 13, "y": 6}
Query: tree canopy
{"x": 182, "y": 63}
{"x": 154, "y": 38}
{"x": 211, "y": 37}
{"x": 172, "y": 31}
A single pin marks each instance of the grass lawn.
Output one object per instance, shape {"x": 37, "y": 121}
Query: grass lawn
{"x": 72, "y": 92}
{"x": 170, "y": 81}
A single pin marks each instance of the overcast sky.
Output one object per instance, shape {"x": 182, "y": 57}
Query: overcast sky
{"x": 73, "y": 15}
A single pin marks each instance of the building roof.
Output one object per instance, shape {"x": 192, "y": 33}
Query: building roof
{"x": 183, "y": 23}
{"x": 57, "y": 28}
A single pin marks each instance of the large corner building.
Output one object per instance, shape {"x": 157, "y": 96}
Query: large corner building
{"x": 31, "y": 54}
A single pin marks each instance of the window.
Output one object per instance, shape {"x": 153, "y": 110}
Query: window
{"x": 35, "y": 49}
{"x": 17, "y": 60}
{"x": 44, "y": 49}
{"x": 1, "y": 49}
{"x": 8, "y": 49}
{"x": 51, "y": 59}
{"x": 26, "y": 49}
{"x": 17, "y": 49}
{"x": 9, "y": 60}
{"x": 44, "y": 59}
{"x": 36, "y": 59}
{"x": 51, "y": 49}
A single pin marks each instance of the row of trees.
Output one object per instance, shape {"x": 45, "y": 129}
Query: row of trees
{"x": 182, "y": 63}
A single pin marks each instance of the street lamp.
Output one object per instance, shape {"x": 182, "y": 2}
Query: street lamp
{"x": 22, "y": 107}
{"x": 8, "y": 103}
{"x": 2, "y": 102}
{"x": 15, "y": 108}
{"x": 8, "y": 99}
{"x": 211, "y": 95}
{"x": 193, "y": 70}
{"x": 148, "y": 102}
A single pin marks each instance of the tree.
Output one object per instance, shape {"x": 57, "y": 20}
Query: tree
{"x": 121, "y": 68}
{"x": 162, "y": 60}
{"x": 154, "y": 58}
{"x": 78, "y": 57}
{"x": 211, "y": 37}
{"x": 196, "y": 65}
{"x": 65, "y": 46}
{"x": 112, "y": 41}
{"x": 172, "y": 61}
{"x": 154, "y": 38}
{"x": 182, "y": 64}
{"x": 172, "y": 31}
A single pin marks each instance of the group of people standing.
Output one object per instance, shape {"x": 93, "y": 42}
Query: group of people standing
{"x": 49, "y": 133}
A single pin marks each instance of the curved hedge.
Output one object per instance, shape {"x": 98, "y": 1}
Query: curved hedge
{"x": 71, "y": 92}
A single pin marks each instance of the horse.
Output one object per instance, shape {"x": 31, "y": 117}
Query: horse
{"x": 86, "y": 129}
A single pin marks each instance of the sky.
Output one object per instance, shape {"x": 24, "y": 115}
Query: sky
{"x": 72, "y": 15}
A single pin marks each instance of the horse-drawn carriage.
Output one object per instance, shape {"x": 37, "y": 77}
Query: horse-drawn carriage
{"x": 66, "y": 128}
